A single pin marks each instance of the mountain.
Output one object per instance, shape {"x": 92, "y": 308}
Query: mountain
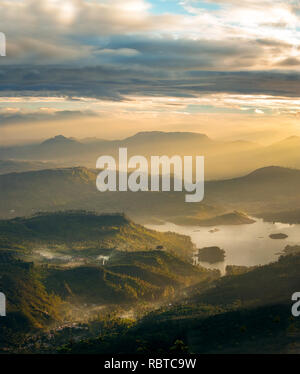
{"x": 171, "y": 143}
{"x": 29, "y": 307}
{"x": 269, "y": 284}
{"x": 59, "y": 149}
{"x": 267, "y": 189}
{"x": 51, "y": 265}
{"x": 29, "y": 192}
{"x": 284, "y": 152}
{"x": 223, "y": 159}
{"x": 125, "y": 278}
{"x": 244, "y": 313}
{"x": 59, "y": 140}
{"x": 16, "y": 166}
{"x": 270, "y": 189}
{"x": 80, "y": 230}
{"x": 163, "y": 136}
{"x": 75, "y": 188}
{"x": 291, "y": 216}
{"x": 232, "y": 218}
{"x": 271, "y": 172}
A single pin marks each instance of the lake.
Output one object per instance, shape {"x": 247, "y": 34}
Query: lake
{"x": 246, "y": 245}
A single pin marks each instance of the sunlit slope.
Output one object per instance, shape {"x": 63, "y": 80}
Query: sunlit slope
{"x": 246, "y": 313}
{"x": 75, "y": 188}
{"x": 29, "y": 306}
{"x": 15, "y": 166}
{"x": 268, "y": 189}
{"x": 141, "y": 266}
{"x": 78, "y": 230}
{"x": 224, "y": 159}
{"x": 272, "y": 283}
{"x": 126, "y": 277}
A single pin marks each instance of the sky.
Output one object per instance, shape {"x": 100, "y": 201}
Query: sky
{"x": 110, "y": 68}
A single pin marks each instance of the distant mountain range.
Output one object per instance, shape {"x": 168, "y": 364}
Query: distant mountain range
{"x": 17, "y": 166}
{"x": 223, "y": 159}
{"x": 269, "y": 189}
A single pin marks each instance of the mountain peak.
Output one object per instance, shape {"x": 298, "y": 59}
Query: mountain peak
{"x": 59, "y": 139}
{"x": 272, "y": 171}
{"x": 172, "y": 135}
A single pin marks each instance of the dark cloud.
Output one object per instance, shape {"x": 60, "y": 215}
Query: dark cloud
{"x": 291, "y": 61}
{"x": 140, "y": 65}
{"x": 107, "y": 82}
{"x": 170, "y": 53}
{"x": 21, "y": 117}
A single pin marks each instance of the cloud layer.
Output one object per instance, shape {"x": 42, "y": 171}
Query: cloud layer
{"x": 189, "y": 56}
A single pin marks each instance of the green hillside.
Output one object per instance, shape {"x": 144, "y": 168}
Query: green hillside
{"x": 245, "y": 313}
{"x": 51, "y": 264}
{"x": 29, "y": 305}
{"x": 75, "y": 188}
{"x": 15, "y": 166}
{"x": 272, "y": 283}
{"x": 78, "y": 230}
{"x": 270, "y": 189}
{"x": 127, "y": 277}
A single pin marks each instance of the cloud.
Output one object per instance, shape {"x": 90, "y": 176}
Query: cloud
{"x": 259, "y": 111}
{"x": 83, "y": 31}
{"x": 290, "y": 61}
{"x": 115, "y": 49}
{"x": 116, "y": 83}
{"x": 9, "y": 116}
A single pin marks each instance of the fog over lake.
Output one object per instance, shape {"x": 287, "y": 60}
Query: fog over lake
{"x": 246, "y": 245}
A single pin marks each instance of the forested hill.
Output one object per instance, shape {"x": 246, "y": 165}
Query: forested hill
{"x": 82, "y": 230}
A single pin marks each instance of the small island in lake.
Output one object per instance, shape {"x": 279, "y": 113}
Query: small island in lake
{"x": 211, "y": 254}
{"x": 278, "y": 236}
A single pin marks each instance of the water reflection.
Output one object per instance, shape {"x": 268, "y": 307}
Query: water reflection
{"x": 246, "y": 245}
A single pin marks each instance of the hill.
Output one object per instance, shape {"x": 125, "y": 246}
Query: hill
{"x": 14, "y": 166}
{"x": 223, "y": 159}
{"x": 29, "y": 306}
{"x": 291, "y": 216}
{"x": 75, "y": 188}
{"x": 232, "y": 218}
{"x": 126, "y": 278}
{"x": 59, "y": 140}
{"x": 284, "y": 152}
{"x": 79, "y": 230}
{"x": 267, "y": 189}
{"x": 245, "y": 313}
{"x": 52, "y": 265}
{"x": 269, "y": 284}
{"x": 270, "y": 189}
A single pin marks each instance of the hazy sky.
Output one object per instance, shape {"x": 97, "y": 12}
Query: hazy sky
{"x": 109, "y": 68}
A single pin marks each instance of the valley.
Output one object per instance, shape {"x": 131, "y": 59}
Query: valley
{"x": 98, "y": 272}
